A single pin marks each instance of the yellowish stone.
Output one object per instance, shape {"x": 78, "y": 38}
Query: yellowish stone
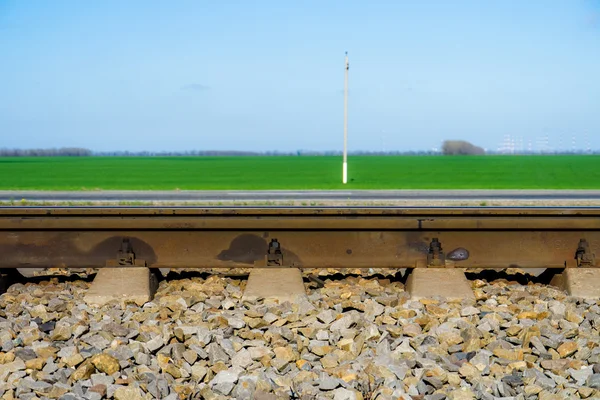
{"x": 404, "y": 314}
{"x": 6, "y": 358}
{"x": 345, "y": 344}
{"x": 285, "y": 353}
{"x": 321, "y": 350}
{"x": 74, "y": 360}
{"x": 512, "y": 355}
{"x": 35, "y": 363}
{"x": 106, "y": 363}
{"x": 566, "y": 349}
{"x": 84, "y": 371}
{"x": 527, "y": 315}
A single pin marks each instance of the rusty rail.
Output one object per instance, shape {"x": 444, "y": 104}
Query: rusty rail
{"x": 383, "y": 237}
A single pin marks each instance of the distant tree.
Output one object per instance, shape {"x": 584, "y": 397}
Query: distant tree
{"x": 460, "y": 147}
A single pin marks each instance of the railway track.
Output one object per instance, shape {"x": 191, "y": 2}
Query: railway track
{"x": 438, "y": 244}
{"x": 438, "y": 336}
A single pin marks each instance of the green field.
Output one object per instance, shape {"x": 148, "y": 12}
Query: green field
{"x": 365, "y": 172}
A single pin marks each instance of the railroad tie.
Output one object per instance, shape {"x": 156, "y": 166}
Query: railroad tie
{"x": 579, "y": 282}
{"x": 129, "y": 284}
{"x": 281, "y": 284}
{"x": 450, "y": 283}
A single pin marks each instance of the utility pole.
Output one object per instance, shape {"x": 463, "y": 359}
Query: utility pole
{"x": 345, "y": 165}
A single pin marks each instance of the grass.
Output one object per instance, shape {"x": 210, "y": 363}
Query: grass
{"x": 254, "y": 173}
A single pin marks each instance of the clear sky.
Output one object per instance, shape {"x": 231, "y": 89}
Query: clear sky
{"x": 268, "y": 75}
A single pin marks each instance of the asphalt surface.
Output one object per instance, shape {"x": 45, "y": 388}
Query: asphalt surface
{"x": 297, "y": 195}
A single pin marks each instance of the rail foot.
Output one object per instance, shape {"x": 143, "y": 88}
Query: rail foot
{"x": 449, "y": 283}
{"x": 579, "y": 282}
{"x": 129, "y": 284}
{"x": 282, "y": 284}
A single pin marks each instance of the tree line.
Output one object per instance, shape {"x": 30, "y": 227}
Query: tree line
{"x": 62, "y": 152}
{"x": 449, "y": 148}
{"x": 78, "y": 152}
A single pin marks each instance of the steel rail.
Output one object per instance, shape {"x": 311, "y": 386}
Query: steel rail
{"x": 315, "y": 237}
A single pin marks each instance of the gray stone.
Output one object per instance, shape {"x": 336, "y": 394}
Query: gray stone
{"x": 372, "y": 309}
{"x": 177, "y": 351}
{"x": 241, "y": 359}
{"x": 7, "y": 346}
{"x": 198, "y": 372}
{"x": 80, "y": 330}
{"x": 122, "y": 353}
{"x": 56, "y": 305}
{"x": 204, "y": 336}
{"x": 216, "y": 353}
{"x": 50, "y": 366}
{"x": 25, "y": 354}
{"x": 89, "y": 395}
{"x": 236, "y": 322}
{"x": 225, "y": 380}
{"x": 541, "y": 379}
{"x": 116, "y": 330}
{"x": 328, "y": 383}
{"x": 468, "y": 311}
{"x": 580, "y": 375}
{"x": 97, "y": 341}
{"x": 245, "y": 387}
{"x": 142, "y": 358}
{"x": 102, "y": 379}
{"x": 327, "y": 316}
{"x": 345, "y": 322}
{"x": 67, "y": 351}
{"x": 71, "y": 396}
{"x": 558, "y": 309}
{"x": 77, "y": 389}
{"x": 513, "y": 380}
{"x": 594, "y": 381}
{"x": 154, "y": 344}
{"x": 434, "y": 382}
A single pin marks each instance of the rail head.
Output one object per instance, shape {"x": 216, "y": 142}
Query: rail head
{"x": 299, "y": 218}
{"x": 40, "y": 211}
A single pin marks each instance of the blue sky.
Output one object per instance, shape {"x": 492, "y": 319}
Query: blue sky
{"x": 268, "y": 75}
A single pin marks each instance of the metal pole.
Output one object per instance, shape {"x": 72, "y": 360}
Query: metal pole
{"x": 345, "y": 164}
